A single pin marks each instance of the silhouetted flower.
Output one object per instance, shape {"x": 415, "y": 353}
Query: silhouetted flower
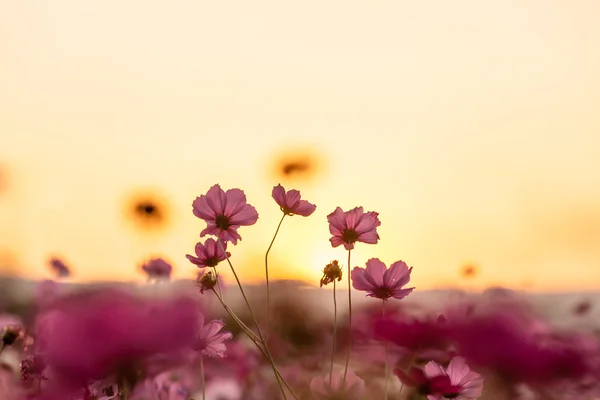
{"x": 331, "y": 272}
{"x": 224, "y": 212}
{"x": 206, "y": 281}
{"x": 380, "y": 282}
{"x": 353, "y": 226}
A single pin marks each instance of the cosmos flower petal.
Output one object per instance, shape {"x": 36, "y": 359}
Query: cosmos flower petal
{"x": 370, "y": 237}
{"x": 368, "y": 222}
{"x": 278, "y": 194}
{"x": 246, "y": 216}
{"x": 304, "y": 208}
{"x": 353, "y": 217}
{"x": 402, "y": 293}
{"x": 433, "y": 369}
{"x": 398, "y": 274}
{"x": 457, "y": 370}
{"x": 358, "y": 280}
{"x": 376, "y": 269}
{"x": 337, "y": 220}
{"x": 216, "y": 199}
{"x": 236, "y": 200}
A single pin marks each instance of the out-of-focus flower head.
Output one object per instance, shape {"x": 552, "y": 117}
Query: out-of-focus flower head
{"x": 210, "y": 340}
{"x": 415, "y": 334}
{"x": 160, "y": 389}
{"x": 457, "y": 381}
{"x": 353, "y": 226}
{"x": 511, "y": 343}
{"x": 32, "y": 368}
{"x": 352, "y": 389}
{"x": 224, "y": 212}
{"x": 290, "y": 202}
{"x": 209, "y": 254}
{"x": 157, "y": 268}
{"x": 59, "y": 268}
{"x": 380, "y": 282}
{"x": 331, "y": 272}
{"x": 92, "y": 335}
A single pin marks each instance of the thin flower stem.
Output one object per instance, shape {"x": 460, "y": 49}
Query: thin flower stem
{"x": 2, "y": 346}
{"x": 218, "y": 283}
{"x": 334, "y": 333}
{"x": 349, "y": 322}
{"x": 267, "y": 278}
{"x": 260, "y": 335}
{"x": 202, "y": 377}
{"x": 252, "y": 336}
{"x": 412, "y": 361}
{"x": 385, "y": 393}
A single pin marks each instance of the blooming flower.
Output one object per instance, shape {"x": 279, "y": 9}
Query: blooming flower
{"x": 157, "y": 268}
{"x": 290, "y": 202}
{"x": 59, "y": 267}
{"x": 210, "y": 341}
{"x": 353, "y": 226}
{"x": 224, "y": 212}
{"x": 331, "y": 272}
{"x": 209, "y": 254}
{"x": 455, "y": 382}
{"x": 353, "y": 388}
{"x": 380, "y": 282}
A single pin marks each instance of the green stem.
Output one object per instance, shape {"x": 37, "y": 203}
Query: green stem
{"x": 267, "y": 278}
{"x": 218, "y": 283}
{"x": 252, "y": 336}
{"x": 334, "y": 333}
{"x": 349, "y": 322}
{"x": 260, "y": 335}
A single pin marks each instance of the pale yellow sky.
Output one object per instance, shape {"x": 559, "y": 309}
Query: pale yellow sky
{"x": 471, "y": 126}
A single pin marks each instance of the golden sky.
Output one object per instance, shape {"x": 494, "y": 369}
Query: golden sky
{"x": 472, "y": 127}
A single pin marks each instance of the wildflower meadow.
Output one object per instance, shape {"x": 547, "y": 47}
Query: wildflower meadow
{"x": 218, "y": 340}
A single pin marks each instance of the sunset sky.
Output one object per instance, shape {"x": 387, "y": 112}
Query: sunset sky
{"x": 472, "y": 127}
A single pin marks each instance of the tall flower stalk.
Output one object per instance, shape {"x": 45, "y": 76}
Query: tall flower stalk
{"x": 332, "y": 273}
{"x": 349, "y": 322}
{"x": 268, "y": 328}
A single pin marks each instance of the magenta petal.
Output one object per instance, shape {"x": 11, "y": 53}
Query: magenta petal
{"x": 376, "y": 269}
{"x": 402, "y": 293}
{"x": 369, "y": 237}
{"x": 247, "y": 216}
{"x": 201, "y": 208}
{"x": 292, "y": 197}
{"x": 336, "y": 241}
{"x": 337, "y": 220}
{"x": 368, "y": 222}
{"x": 278, "y": 194}
{"x": 397, "y": 275}
{"x": 236, "y": 200}
{"x": 216, "y": 200}
{"x": 304, "y": 208}
{"x": 353, "y": 217}
{"x": 358, "y": 280}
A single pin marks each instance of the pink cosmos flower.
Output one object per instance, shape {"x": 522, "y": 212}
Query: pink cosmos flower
{"x": 380, "y": 282}
{"x": 353, "y": 388}
{"x": 59, "y": 267}
{"x": 224, "y": 212}
{"x": 290, "y": 202}
{"x": 157, "y": 268}
{"x": 210, "y": 341}
{"x": 455, "y": 382}
{"x": 209, "y": 254}
{"x": 353, "y": 226}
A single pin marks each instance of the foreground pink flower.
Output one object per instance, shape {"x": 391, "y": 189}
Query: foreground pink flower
{"x": 290, "y": 202}
{"x": 353, "y": 388}
{"x": 224, "y": 212}
{"x": 380, "y": 282}
{"x": 210, "y": 340}
{"x": 209, "y": 254}
{"x": 437, "y": 383}
{"x": 353, "y": 226}
{"x": 157, "y": 268}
